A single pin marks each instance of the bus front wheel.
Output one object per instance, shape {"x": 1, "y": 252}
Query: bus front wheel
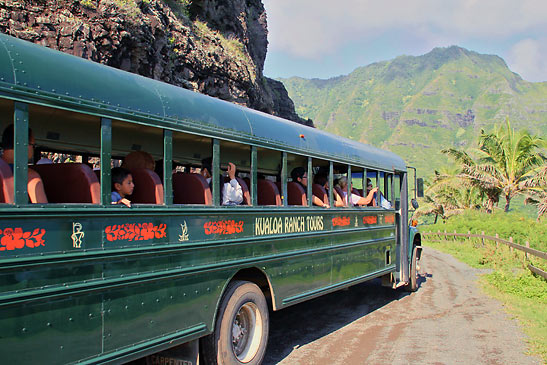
{"x": 413, "y": 275}
{"x": 241, "y": 329}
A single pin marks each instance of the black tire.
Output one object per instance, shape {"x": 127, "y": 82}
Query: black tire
{"x": 241, "y": 328}
{"x": 412, "y": 285}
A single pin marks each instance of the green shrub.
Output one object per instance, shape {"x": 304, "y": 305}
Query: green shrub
{"x": 506, "y": 225}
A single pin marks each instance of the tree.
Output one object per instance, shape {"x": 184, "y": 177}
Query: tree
{"x": 537, "y": 191}
{"x": 448, "y": 194}
{"x": 507, "y": 161}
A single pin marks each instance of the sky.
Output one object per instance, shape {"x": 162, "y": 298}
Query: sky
{"x": 323, "y": 39}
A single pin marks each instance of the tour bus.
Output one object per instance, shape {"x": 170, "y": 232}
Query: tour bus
{"x": 84, "y": 280}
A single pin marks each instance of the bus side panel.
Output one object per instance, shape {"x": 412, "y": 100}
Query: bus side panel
{"x": 358, "y": 261}
{"x": 161, "y": 307}
{"x": 54, "y": 331}
{"x": 347, "y": 256}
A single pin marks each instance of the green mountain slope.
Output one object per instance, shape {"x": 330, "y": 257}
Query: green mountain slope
{"x": 415, "y": 106}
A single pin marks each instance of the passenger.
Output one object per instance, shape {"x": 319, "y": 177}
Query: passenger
{"x": 371, "y": 194}
{"x": 356, "y": 199}
{"x": 35, "y": 186}
{"x": 299, "y": 175}
{"x": 231, "y": 192}
{"x": 122, "y": 186}
{"x": 139, "y": 160}
{"x": 323, "y": 180}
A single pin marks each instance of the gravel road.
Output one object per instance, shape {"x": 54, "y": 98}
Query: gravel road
{"x": 447, "y": 321}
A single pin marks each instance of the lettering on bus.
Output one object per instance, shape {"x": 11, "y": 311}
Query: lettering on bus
{"x": 283, "y": 225}
{"x": 370, "y": 219}
{"x": 340, "y": 221}
{"x": 16, "y": 238}
{"x": 389, "y": 218}
{"x": 223, "y": 227}
{"x": 135, "y": 232}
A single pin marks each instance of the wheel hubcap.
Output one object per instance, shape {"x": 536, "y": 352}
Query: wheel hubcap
{"x": 246, "y": 332}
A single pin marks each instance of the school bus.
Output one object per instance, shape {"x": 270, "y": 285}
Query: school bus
{"x": 84, "y": 280}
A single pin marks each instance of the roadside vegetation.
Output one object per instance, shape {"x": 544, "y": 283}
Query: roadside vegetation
{"x": 475, "y": 195}
{"x": 507, "y": 277}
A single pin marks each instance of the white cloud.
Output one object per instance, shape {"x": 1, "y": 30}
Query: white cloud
{"x": 528, "y": 58}
{"x": 312, "y": 28}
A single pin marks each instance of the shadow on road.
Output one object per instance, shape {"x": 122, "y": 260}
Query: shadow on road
{"x": 306, "y": 322}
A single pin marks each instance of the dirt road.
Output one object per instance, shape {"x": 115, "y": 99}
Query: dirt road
{"x": 447, "y": 321}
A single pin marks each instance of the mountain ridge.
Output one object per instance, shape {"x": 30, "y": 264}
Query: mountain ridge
{"x": 417, "y": 105}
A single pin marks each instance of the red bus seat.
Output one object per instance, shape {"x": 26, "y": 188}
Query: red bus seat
{"x": 148, "y": 187}
{"x": 191, "y": 189}
{"x": 320, "y": 192}
{"x": 267, "y": 193}
{"x": 6, "y": 183}
{"x": 69, "y": 183}
{"x": 296, "y": 193}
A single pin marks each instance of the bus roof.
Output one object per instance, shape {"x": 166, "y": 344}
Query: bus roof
{"x": 36, "y": 74}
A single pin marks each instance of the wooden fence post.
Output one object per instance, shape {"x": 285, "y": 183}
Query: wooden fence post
{"x": 482, "y": 238}
{"x": 497, "y": 243}
{"x": 511, "y": 247}
{"x": 527, "y": 246}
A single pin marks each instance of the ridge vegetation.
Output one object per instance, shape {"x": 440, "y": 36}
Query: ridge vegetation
{"x": 417, "y": 106}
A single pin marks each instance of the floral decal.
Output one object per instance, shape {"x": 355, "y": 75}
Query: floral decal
{"x": 16, "y": 238}
{"x": 370, "y": 219}
{"x": 135, "y": 232}
{"x": 340, "y": 221}
{"x": 223, "y": 227}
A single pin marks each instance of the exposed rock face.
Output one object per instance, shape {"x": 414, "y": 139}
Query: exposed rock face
{"x": 214, "y": 47}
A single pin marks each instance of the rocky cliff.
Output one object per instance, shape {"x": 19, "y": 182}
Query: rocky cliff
{"x": 215, "y": 47}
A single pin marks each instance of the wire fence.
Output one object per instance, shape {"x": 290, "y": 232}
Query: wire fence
{"x": 526, "y": 249}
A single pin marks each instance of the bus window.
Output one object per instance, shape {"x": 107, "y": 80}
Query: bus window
{"x": 60, "y": 151}
{"x": 297, "y": 185}
{"x": 239, "y": 156}
{"x": 397, "y": 190}
{"x": 321, "y": 186}
{"x": 268, "y": 177}
{"x": 139, "y": 147}
{"x": 190, "y": 186}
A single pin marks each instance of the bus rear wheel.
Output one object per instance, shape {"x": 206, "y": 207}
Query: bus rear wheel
{"x": 241, "y": 329}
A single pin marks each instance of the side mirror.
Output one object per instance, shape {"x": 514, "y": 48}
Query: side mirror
{"x": 420, "y": 187}
{"x": 414, "y": 203}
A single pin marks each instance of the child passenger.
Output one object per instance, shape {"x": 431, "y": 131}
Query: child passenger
{"x": 122, "y": 186}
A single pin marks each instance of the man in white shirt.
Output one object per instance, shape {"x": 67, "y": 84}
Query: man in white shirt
{"x": 231, "y": 192}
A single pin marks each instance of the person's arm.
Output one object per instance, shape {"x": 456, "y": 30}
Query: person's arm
{"x": 232, "y": 194}
{"x": 369, "y": 198}
{"x": 338, "y": 201}
{"x": 319, "y": 202}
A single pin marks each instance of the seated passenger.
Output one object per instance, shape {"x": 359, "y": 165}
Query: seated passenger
{"x": 122, "y": 186}
{"x": 300, "y": 176}
{"x": 35, "y": 186}
{"x": 231, "y": 192}
{"x": 356, "y": 199}
{"x": 324, "y": 182}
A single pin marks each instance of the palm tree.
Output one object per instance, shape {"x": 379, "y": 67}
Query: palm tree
{"x": 506, "y": 161}
{"x": 448, "y": 194}
{"x": 537, "y": 191}
{"x": 471, "y": 174}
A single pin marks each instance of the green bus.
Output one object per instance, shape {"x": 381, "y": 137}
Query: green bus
{"x": 84, "y": 280}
